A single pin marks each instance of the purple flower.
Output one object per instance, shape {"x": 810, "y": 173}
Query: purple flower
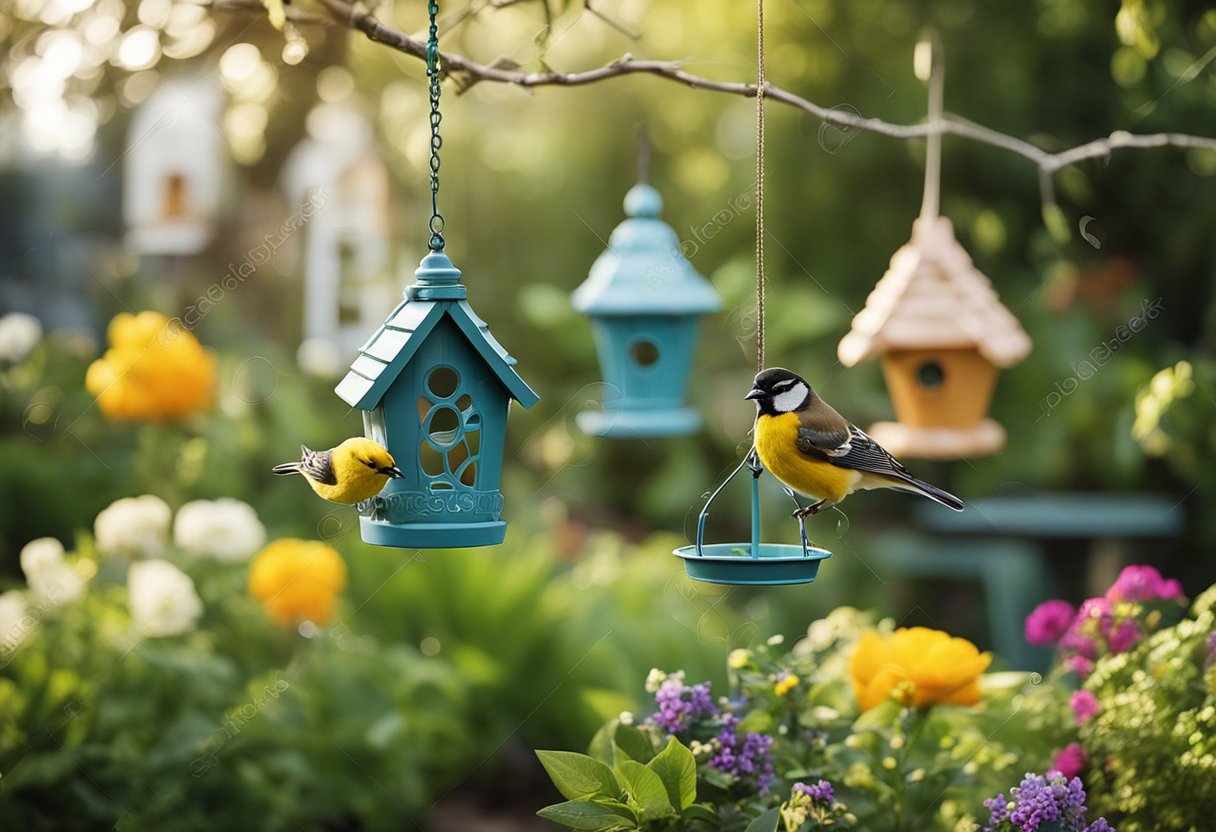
{"x": 821, "y": 792}
{"x": 1053, "y": 801}
{"x": 1142, "y": 583}
{"x": 1049, "y": 621}
{"x": 744, "y": 757}
{"x": 1125, "y": 636}
{"x": 1085, "y": 706}
{"x": 678, "y": 704}
{"x": 1071, "y": 760}
{"x": 1079, "y": 665}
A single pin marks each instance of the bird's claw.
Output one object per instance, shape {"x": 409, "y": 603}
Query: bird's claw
{"x": 803, "y": 512}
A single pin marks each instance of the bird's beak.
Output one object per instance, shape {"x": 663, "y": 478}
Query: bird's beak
{"x": 393, "y": 472}
{"x": 755, "y": 393}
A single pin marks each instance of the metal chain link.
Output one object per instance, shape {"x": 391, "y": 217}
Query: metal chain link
{"x": 760, "y": 89}
{"x": 432, "y": 74}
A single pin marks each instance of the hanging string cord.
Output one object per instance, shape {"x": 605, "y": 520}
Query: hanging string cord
{"x": 432, "y": 74}
{"x": 760, "y": 185}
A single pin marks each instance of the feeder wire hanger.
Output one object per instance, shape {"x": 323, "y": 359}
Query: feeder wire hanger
{"x": 931, "y": 68}
{"x": 752, "y": 461}
{"x": 436, "y": 223}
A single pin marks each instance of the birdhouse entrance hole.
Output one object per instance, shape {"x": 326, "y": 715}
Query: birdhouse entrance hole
{"x": 173, "y": 203}
{"x": 930, "y": 374}
{"x": 645, "y": 353}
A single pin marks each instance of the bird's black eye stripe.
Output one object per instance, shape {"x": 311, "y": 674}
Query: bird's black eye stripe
{"x": 370, "y": 464}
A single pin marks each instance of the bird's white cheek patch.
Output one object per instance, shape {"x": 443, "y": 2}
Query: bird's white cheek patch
{"x": 790, "y": 399}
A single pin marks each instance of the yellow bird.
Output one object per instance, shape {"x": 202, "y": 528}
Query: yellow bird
{"x": 354, "y": 471}
{"x": 816, "y": 452}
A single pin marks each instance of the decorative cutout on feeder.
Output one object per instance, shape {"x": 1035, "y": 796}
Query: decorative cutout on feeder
{"x": 644, "y": 299}
{"x": 435, "y": 387}
{"x": 174, "y": 169}
{"x": 941, "y": 332}
{"x": 752, "y": 563}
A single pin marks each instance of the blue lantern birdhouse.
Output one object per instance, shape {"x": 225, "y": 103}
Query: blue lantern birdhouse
{"x": 434, "y": 387}
{"x": 644, "y": 299}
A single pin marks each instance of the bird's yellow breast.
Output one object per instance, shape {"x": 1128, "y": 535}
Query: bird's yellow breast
{"x": 775, "y": 443}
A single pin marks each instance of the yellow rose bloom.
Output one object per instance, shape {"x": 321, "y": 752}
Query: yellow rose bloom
{"x": 919, "y": 667}
{"x": 297, "y": 580}
{"x": 154, "y": 370}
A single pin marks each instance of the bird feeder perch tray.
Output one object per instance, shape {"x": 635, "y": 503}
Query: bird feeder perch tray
{"x": 752, "y": 563}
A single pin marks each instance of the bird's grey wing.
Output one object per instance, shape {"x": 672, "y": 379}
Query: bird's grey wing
{"x": 833, "y": 443}
{"x": 865, "y": 454}
{"x": 318, "y": 466}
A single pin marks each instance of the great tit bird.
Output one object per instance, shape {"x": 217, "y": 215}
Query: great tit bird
{"x": 354, "y": 471}
{"x": 815, "y": 451}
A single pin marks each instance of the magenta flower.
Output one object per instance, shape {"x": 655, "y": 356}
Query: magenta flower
{"x": 1071, "y": 760}
{"x": 1085, "y": 706}
{"x": 1049, "y": 621}
{"x": 1142, "y": 583}
{"x": 1125, "y": 636}
{"x": 1079, "y": 665}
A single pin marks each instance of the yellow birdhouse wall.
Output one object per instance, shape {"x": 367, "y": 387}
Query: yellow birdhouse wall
{"x": 939, "y": 388}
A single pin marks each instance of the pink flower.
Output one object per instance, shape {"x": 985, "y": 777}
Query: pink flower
{"x": 1085, "y": 706}
{"x": 1142, "y": 583}
{"x": 1079, "y": 665}
{"x": 1125, "y": 636}
{"x": 1049, "y": 621}
{"x": 1071, "y": 760}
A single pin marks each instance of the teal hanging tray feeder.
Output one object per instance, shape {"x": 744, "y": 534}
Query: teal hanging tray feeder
{"x": 644, "y": 299}
{"x": 752, "y": 563}
{"x": 435, "y": 387}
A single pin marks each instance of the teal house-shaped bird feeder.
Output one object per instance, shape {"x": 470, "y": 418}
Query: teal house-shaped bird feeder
{"x": 434, "y": 387}
{"x": 644, "y": 299}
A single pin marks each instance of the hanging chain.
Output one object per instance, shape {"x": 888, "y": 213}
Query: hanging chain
{"x": 432, "y": 74}
{"x": 760, "y": 84}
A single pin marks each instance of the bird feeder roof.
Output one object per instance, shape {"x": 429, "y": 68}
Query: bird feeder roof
{"x": 933, "y": 296}
{"x": 384, "y": 355}
{"x": 643, "y": 272}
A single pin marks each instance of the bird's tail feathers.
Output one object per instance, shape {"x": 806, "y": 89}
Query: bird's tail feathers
{"x": 286, "y": 468}
{"x": 934, "y": 493}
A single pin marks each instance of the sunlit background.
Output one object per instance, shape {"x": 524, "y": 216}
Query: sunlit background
{"x": 264, "y": 181}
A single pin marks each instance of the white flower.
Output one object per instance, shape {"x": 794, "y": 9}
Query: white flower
{"x": 654, "y": 680}
{"x": 625, "y": 718}
{"x": 162, "y": 598}
{"x": 57, "y": 584}
{"x": 224, "y": 529}
{"x": 19, "y": 334}
{"x": 39, "y": 555}
{"x": 134, "y": 526}
{"x": 53, "y": 581}
{"x": 15, "y": 622}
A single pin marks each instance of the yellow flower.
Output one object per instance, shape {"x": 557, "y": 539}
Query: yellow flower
{"x": 738, "y": 659}
{"x": 786, "y": 684}
{"x": 154, "y": 371}
{"x": 919, "y": 667}
{"x": 297, "y": 580}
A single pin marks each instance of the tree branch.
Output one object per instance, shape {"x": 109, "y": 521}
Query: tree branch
{"x": 466, "y": 73}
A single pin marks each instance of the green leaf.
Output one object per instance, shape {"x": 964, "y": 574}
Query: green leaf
{"x": 702, "y": 812}
{"x": 635, "y": 744}
{"x": 883, "y": 716}
{"x": 602, "y": 746}
{"x": 594, "y": 815}
{"x": 766, "y": 822}
{"x": 756, "y": 722}
{"x": 646, "y": 789}
{"x": 276, "y": 13}
{"x": 677, "y": 768}
{"x": 577, "y": 775}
